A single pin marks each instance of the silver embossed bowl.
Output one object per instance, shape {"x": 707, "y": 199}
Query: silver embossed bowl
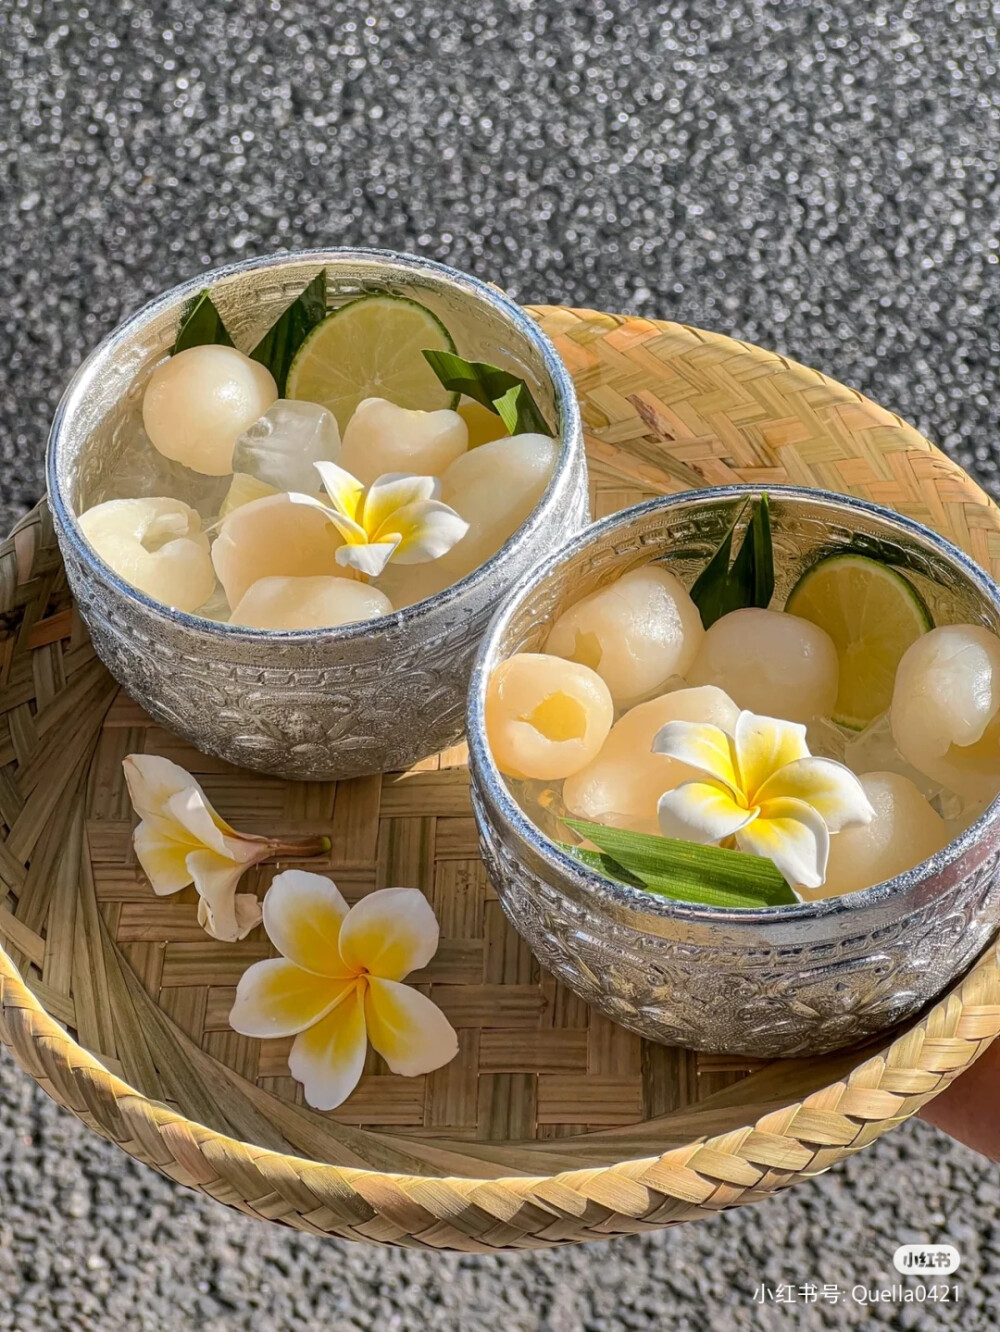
{"x": 767, "y": 982}
{"x": 317, "y": 704}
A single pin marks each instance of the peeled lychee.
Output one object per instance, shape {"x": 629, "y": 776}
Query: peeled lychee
{"x": 157, "y": 545}
{"x": 200, "y": 401}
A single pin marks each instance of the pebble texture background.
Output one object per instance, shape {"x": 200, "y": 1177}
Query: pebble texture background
{"x": 819, "y": 178}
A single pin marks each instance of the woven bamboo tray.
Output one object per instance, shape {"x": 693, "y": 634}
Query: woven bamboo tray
{"x": 552, "y": 1125}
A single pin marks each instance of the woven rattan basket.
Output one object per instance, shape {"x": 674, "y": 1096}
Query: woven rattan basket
{"x": 552, "y": 1125}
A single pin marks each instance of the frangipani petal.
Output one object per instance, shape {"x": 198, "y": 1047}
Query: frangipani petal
{"x": 389, "y": 494}
{"x": 346, "y": 491}
{"x": 368, "y": 559}
{"x": 329, "y": 1057}
{"x": 216, "y": 878}
{"x": 162, "y": 857}
{"x": 778, "y": 801}
{"x": 830, "y": 788}
{"x": 277, "y": 998}
{"x": 303, "y": 915}
{"x": 408, "y": 1030}
{"x": 762, "y": 745}
{"x": 151, "y": 782}
{"x": 247, "y": 911}
{"x": 390, "y": 933}
{"x": 198, "y": 823}
{"x": 427, "y": 530}
{"x": 794, "y": 837}
{"x": 701, "y": 746}
{"x": 160, "y": 789}
{"x": 701, "y": 812}
{"x": 347, "y": 527}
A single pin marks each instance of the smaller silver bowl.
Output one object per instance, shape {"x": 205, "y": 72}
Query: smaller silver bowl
{"x": 318, "y": 704}
{"x": 769, "y": 982}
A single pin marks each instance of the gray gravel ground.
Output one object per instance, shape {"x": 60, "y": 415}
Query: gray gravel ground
{"x": 819, "y": 178}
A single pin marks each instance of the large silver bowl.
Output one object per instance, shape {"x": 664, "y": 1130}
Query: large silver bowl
{"x": 317, "y": 704}
{"x": 770, "y": 982}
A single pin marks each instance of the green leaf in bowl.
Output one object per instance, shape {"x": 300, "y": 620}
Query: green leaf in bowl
{"x": 497, "y": 390}
{"x": 201, "y": 326}
{"x": 686, "y": 871}
{"x": 276, "y": 349}
{"x": 719, "y": 588}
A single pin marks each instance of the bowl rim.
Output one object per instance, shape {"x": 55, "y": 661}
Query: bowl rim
{"x": 487, "y": 777}
{"x": 570, "y": 438}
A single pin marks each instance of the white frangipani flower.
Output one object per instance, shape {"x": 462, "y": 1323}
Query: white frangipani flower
{"x": 338, "y": 985}
{"x": 399, "y": 517}
{"x": 762, "y": 788}
{"x": 182, "y": 840}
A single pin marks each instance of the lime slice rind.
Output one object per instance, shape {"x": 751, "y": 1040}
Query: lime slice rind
{"x": 872, "y": 613}
{"x": 371, "y": 347}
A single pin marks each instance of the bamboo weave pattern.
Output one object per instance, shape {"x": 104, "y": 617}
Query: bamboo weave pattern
{"x": 553, "y": 1124}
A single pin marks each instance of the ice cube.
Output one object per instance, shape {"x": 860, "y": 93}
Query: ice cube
{"x": 828, "y": 739}
{"x": 544, "y": 806}
{"x": 874, "y": 750}
{"x": 964, "y": 816}
{"x": 955, "y": 809}
{"x": 216, "y": 607}
{"x": 283, "y": 446}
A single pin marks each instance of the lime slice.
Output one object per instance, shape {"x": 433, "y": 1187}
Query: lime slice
{"x": 371, "y": 348}
{"x": 873, "y": 615}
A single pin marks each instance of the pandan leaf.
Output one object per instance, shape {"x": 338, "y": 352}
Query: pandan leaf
{"x": 201, "y": 326}
{"x": 721, "y": 588}
{"x": 687, "y": 871}
{"x": 276, "y": 349}
{"x": 497, "y": 390}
